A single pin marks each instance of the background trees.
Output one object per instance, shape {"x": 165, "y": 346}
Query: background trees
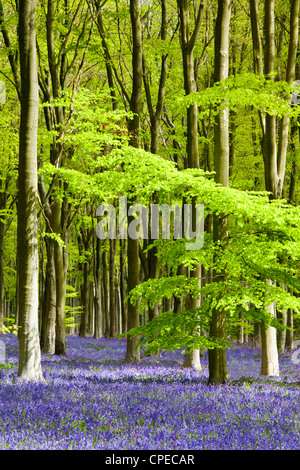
{"x": 193, "y": 84}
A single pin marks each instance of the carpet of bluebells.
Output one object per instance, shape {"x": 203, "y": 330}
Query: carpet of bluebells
{"x": 91, "y": 399}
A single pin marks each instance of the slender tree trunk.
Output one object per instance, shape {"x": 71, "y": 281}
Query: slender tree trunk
{"x": 91, "y": 309}
{"x": 29, "y": 345}
{"x": 240, "y": 335}
{"x": 232, "y": 141}
{"x": 290, "y": 77}
{"x": 289, "y": 333}
{"x": 257, "y": 48}
{"x": 256, "y": 40}
{"x": 155, "y": 119}
{"x": 188, "y": 40}
{"x": 112, "y": 300}
{"x": 274, "y": 163}
{"x": 256, "y": 335}
{"x": 60, "y": 327}
{"x": 3, "y": 202}
{"x": 107, "y": 57}
{"x": 275, "y": 159}
{"x": 245, "y": 336}
{"x": 137, "y": 73}
{"x": 123, "y": 285}
{"x": 105, "y": 284}
{"x": 192, "y": 358}
{"x": 153, "y": 273}
{"x": 269, "y": 355}
{"x": 281, "y": 334}
{"x": 218, "y": 372}
{"x": 12, "y": 54}
{"x": 133, "y": 353}
{"x": 2, "y": 272}
{"x": 60, "y": 282}
{"x": 56, "y": 211}
{"x": 85, "y": 301}
{"x": 84, "y": 243}
{"x": 155, "y": 116}
{"x": 178, "y": 301}
{"x": 98, "y": 330}
{"x": 48, "y": 306}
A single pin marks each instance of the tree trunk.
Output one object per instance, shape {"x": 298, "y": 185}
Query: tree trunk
{"x": 275, "y": 163}
{"x": 192, "y": 359}
{"x": 257, "y": 48}
{"x": 112, "y": 300}
{"x": 98, "y": 328}
{"x": 240, "y": 335}
{"x": 137, "y": 73}
{"x": 106, "y": 54}
{"x": 2, "y": 271}
{"x": 188, "y": 41}
{"x": 218, "y": 372}
{"x": 105, "y": 284}
{"x": 60, "y": 328}
{"x": 133, "y": 353}
{"x": 48, "y": 306}
{"x": 155, "y": 119}
{"x": 256, "y": 335}
{"x": 123, "y": 286}
{"x": 290, "y": 77}
{"x": 281, "y": 334}
{"x": 56, "y": 212}
{"x": 85, "y": 302}
{"x": 12, "y": 55}
{"x": 289, "y": 333}
{"x": 256, "y": 40}
{"x": 155, "y": 116}
{"x": 269, "y": 355}
{"x": 245, "y": 336}
{"x": 60, "y": 282}
{"x": 29, "y": 345}
{"x": 84, "y": 243}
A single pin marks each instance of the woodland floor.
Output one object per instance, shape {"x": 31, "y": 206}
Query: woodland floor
{"x": 92, "y": 400}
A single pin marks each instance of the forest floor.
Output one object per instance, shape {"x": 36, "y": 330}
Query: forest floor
{"x": 91, "y": 399}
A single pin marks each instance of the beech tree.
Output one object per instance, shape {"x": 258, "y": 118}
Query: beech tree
{"x": 218, "y": 372}
{"x": 61, "y": 70}
{"x": 29, "y": 348}
{"x": 188, "y": 40}
{"x": 274, "y": 150}
{"x": 132, "y": 352}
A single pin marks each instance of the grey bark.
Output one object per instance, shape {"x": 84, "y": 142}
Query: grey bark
{"x": 188, "y": 40}
{"x": 98, "y": 327}
{"x": 132, "y": 352}
{"x": 269, "y": 355}
{"x": 48, "y": 306}
{"x": 256, "y": 335}
{"x": 218, "y": 372}
{"x": 290, "y": 333}
{"x": 29, "y": 366}
{"x": 112, "y": 300}
{"x": 123, "y": 285}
